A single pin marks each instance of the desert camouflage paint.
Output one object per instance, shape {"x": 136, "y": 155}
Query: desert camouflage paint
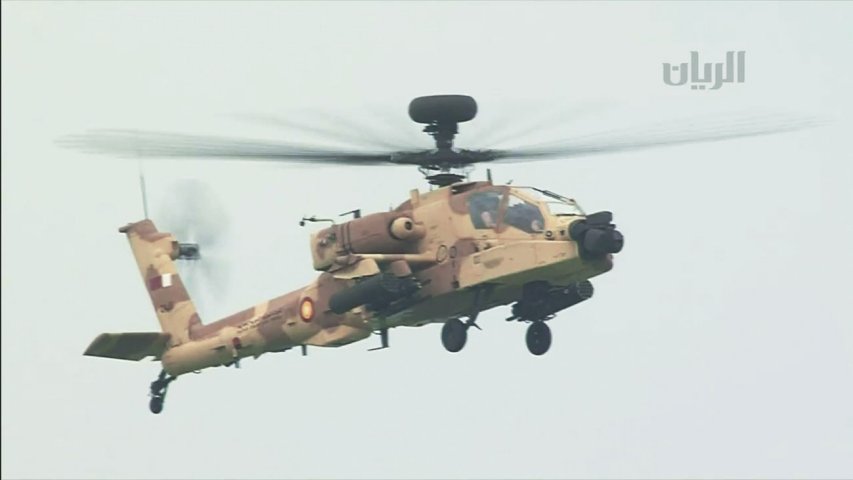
{"x": 464, "y": 247}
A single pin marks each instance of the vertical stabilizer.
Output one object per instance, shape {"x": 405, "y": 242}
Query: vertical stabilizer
{"x": 154, "y": 253}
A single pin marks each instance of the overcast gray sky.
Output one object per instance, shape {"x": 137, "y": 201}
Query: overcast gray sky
{"x": 720, "y": 345}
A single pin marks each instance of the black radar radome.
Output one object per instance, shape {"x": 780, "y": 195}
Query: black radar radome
{"x": 443, "y": 109}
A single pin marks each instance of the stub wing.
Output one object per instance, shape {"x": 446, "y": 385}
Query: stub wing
{"x": 129, "y": 346}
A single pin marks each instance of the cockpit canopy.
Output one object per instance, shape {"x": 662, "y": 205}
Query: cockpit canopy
{"x": 522, "y": 208}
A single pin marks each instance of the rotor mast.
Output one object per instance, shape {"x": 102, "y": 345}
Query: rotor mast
{"x": 443, "y": 133}
{"x": 442, "y": 115}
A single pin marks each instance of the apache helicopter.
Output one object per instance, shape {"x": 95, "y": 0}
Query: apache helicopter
{"x": 441, "y": 256}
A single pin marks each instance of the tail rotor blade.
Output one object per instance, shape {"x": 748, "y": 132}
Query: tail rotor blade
{"x": 194, "y": 214}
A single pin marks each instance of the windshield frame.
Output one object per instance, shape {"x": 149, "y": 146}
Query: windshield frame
{"x": 552, "y": 198}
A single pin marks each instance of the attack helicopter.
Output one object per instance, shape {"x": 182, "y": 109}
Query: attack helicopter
{"x": 441, "y": 256}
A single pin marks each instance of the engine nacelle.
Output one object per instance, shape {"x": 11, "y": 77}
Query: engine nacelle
{"x": 377, "y": 233}
{"x": 404, "y": 228}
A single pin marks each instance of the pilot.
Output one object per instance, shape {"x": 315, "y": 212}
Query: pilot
{"x": 483, "y": 207}
{"x": 525, "y": 217}
{"x": 488, "y": 218}
{"x": 536, "y": 225}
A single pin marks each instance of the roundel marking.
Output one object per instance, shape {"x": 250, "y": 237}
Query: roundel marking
{"x": 306, "y": 309}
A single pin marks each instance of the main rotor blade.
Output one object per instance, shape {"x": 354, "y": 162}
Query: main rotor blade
{"x": 331, "y": 128}
{"x": 506, "y": 127}
{"x": 159, "y": 144}
{"x": 661, "y": 135}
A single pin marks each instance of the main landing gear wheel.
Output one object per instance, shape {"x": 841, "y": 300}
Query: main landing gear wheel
{"x": 159, "y": 388}
{"x": 538, "y": 338}
{"x": 454, "y": 334}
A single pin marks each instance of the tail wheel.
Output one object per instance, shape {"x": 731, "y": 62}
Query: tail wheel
{"x": 158, "y": 391}
{"x": 156, "y": 404}
{"x": 538, "y": 338}
{"x": 453, "y": 335}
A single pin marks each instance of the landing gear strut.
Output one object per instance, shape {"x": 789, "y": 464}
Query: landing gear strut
{"x": 158, "y": 391}
{"x": 383, "y": 338}
{"x": 454, "y": 334}
{"x": 541, "y": 301}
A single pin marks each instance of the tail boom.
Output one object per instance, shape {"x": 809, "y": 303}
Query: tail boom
{"x": 301, "y": 317}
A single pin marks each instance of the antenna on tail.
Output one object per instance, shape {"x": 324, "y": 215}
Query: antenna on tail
{"x": 142, "y": 188}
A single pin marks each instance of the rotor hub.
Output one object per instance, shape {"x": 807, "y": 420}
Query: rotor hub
{"x": 189, "y": 251}
{"x": 444, "y": 179}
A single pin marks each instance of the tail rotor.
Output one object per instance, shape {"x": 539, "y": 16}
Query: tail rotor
{"x": 197, "y": 219}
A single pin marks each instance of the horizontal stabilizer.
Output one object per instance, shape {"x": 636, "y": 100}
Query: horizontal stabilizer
{"x": 128, "y": 346}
